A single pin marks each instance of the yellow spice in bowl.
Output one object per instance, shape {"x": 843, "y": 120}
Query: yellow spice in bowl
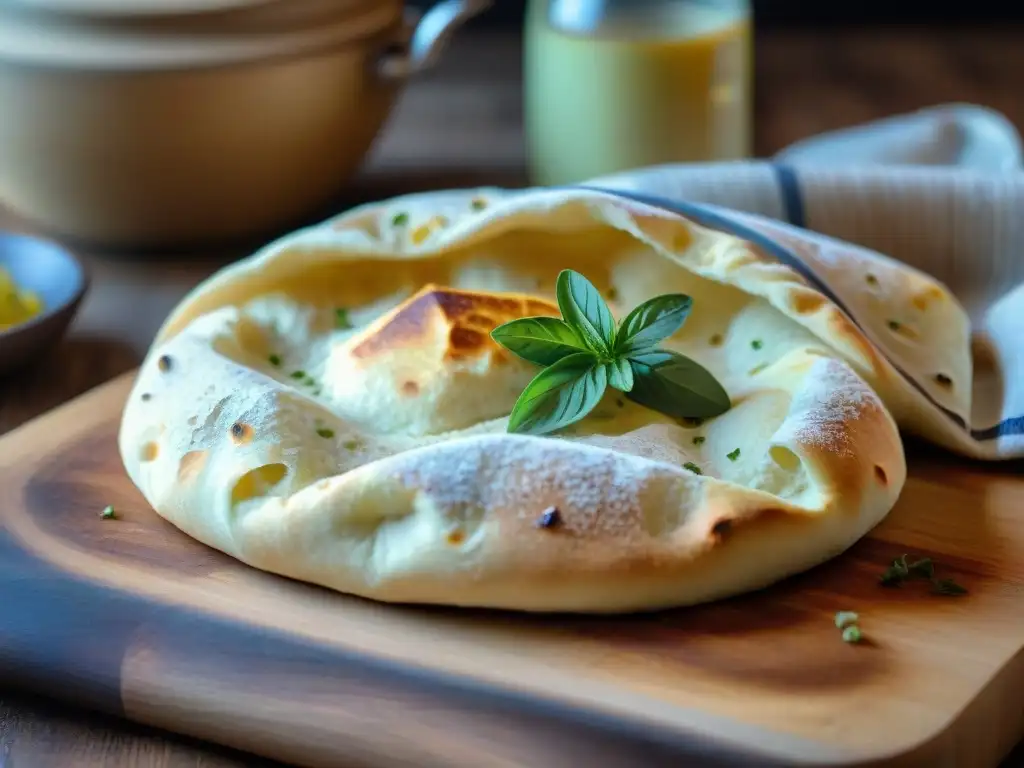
{"x": 16, "y": 305}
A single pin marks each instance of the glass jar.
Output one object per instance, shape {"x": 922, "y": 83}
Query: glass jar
{"x": 617, "y": 84}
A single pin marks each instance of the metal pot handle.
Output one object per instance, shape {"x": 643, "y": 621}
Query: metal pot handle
{"x": 429, "y": 38}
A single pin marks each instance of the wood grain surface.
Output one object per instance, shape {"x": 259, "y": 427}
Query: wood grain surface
{"x": 131, "y": 617}
{"x": 461, "y": 125}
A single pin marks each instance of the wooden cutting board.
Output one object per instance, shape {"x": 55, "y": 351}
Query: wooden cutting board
{"x": 132, "y": 617}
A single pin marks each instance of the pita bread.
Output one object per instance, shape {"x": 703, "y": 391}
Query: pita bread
{"x": 332, "y": 409}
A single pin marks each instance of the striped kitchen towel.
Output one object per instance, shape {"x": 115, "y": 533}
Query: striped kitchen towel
{"x": 963, "y": 226}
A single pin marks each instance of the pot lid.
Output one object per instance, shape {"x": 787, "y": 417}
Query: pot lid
{"x": 123, "y": 9}
{"x": 264, "y": 29}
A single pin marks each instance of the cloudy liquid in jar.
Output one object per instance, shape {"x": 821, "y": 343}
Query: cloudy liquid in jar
{"x": 631, "y": 84}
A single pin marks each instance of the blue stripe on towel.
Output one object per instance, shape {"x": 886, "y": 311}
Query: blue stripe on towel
{"x": 1011, "y": 426}
{"x": 792, "y": 195}
{"x": 1005, "y": 428}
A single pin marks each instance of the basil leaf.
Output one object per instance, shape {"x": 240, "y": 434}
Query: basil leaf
{"x": 559, "y": 395}
{"x": 620, "y": 374}
{"x": 540, "y": 340}
{"x": 653, "y": 321}
{"x": 676, "y": 386}
{"x": 583, "y": 307}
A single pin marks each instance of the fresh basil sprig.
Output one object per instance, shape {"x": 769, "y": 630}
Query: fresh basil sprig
{"x": 584, "y": 352}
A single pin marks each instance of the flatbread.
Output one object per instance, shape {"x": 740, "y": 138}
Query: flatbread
{"x": 332, "y": 409}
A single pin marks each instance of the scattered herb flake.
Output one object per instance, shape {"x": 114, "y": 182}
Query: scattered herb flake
{"x": 871, "y": 279}
{"x": 852, "y": 634}
{"x": 400, "y": 219}
{"x": 733, "y": 455}
{"x": 620, "y": 402}
{"x": 924, "y": 568}
{"x": 716, "y": 340}
{"x": 896, "y": 573}
{"x": 693, "y": 468}
{"x": 325, "y": 432}
{"x": 895, "y": 325}
{"x": 164, "y": 363}
{"x": 549, "y": 518}
{"x": 943, "y": 380}
{"x": 846, "y": 618}
{"x": 146, "y": 397}
{"x": 757, "y": 344}
{"x": 341, "y": 321}
{"x": 309, "y": 381}
{"x": 891, "y": 578}
{"x": 108, "y": 513}
{"x": 275, "y": 360}
{"x": 350, "y": 445}
{"x": 478, "y": 204}
{"x": 612, "y": 293}
{"x": 300, "y": 374}
{"x": 699, "y": 440}
{"x": 758, "y": 368}
{"x": 947, "y": 587}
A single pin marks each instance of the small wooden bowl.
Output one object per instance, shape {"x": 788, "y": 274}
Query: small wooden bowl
{"x": 58, "y": 278}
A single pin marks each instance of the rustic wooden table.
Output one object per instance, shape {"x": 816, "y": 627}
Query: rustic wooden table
{"x": 461, "y": 126}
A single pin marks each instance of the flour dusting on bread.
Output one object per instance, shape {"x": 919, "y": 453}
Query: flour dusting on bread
{"x": 337, "y": 413}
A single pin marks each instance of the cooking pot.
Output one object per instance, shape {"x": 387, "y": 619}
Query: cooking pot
{"x": 141, "y": 123}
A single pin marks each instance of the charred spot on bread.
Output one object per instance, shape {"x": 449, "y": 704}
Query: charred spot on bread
{"x": 479, "y": 320}
{"x": 806, "y": 302}
{"x": 468, "y": 317}
{"x": 924, "y": 298}
{"x": 241, "y": 433}
{"x": 464, "y": 341}
{"x": 721, "y": 528}
{"x": 549, "y": 518}
{"x": 455, "y": 537}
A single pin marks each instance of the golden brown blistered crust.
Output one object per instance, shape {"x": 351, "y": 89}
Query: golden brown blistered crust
{"x": 803, "y": 299}
{"x": 469, "y": 316}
